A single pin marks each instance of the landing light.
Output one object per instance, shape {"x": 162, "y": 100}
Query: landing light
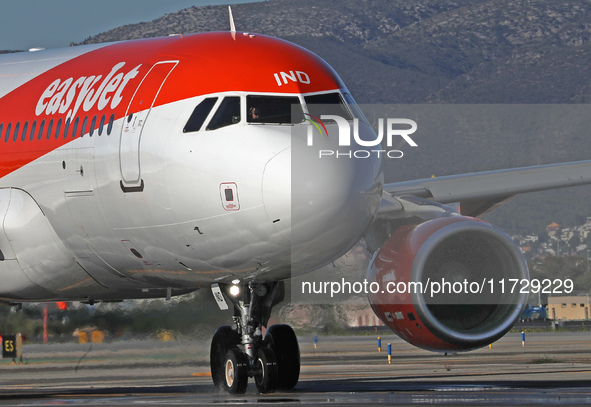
{"x": 234, "y": 290}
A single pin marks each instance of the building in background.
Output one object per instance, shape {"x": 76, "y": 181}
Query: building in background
{"x": 574, "y": 307}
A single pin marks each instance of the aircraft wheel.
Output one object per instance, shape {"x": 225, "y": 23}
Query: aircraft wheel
{"x": 283, "y": 342}
{"x": 235, "y": 372}
{"x": 224, "y": 339}
{"x": 266, "y": 380}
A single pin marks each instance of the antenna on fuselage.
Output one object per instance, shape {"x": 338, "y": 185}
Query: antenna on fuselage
{"x": 232, "y": 25}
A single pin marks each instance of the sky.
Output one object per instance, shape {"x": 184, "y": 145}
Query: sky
{"x": 26, "y": 24}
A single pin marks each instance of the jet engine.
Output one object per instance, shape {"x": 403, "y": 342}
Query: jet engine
{"x": 448, "y": 284}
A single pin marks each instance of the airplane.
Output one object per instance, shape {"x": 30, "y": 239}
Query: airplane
{"x": 156, "y": 167}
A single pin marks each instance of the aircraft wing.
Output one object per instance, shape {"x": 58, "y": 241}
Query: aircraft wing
{"x": 479, "y": 192}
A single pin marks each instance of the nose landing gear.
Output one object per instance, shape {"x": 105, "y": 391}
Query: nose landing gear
{"x": 266, "y": 377}
{"x": 239, "y": 351}
{"x": 236, "y": 371}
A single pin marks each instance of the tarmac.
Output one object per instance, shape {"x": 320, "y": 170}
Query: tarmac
{"x": 553, "y": 368}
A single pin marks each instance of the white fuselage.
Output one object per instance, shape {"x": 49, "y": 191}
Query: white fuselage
{"x": 144, "y": 208}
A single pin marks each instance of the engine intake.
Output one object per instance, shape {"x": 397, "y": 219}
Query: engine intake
{"x": 452, "y": 270}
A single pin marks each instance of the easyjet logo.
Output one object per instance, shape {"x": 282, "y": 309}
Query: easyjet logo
{"x": 86, "y": 92}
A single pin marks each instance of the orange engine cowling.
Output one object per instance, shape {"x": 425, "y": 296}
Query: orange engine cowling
{"x": 444, "y": 284}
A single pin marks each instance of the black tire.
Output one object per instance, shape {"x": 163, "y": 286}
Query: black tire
{"x": 266, "y": 381}
{"x": 223, "y": 340}
{"x": 235, "y": 371}
{"x": 283, "y": 342}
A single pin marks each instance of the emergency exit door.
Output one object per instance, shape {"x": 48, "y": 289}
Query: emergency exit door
{"x": 135, "y": 121}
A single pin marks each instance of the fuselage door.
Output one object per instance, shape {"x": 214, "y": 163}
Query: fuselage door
{"x": 135, "y": 120}
{"x": 5, "y": 246}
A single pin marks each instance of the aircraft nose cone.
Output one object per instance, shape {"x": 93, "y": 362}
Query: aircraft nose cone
{"x": 323, "y": 205}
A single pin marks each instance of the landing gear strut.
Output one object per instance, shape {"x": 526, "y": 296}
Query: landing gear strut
{"x": 239, "y": 351}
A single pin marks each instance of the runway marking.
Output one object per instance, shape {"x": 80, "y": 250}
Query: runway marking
{"x": 438, "y": 375}
{"x": 202, "y": 374}
{"x": 81, "y": 384}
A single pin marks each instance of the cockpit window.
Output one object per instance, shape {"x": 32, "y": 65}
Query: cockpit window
{"x": 199, "y": 115}
{"x": 355, "y": 107}
{"x": 227, "y": 114}
{"x": 274, "y": 109}
{"x": 328, "y": 103}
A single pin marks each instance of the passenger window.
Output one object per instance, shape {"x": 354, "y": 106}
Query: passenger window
{"x": 75, "y": 128}
{"x": 67, "y": 128}
{"x": 49, "y": 128}
{"x": 33, "y": 130}
{"x": 41, "y": 129}
{"x": 227, "y": 114}
{"x": 110, "y": 126}
{"x": 7, "y": 135}
{"x": 273, "y": 109}
{"x": 328, "y": 103}
{"x": 25, "y": 130}
{"x": 199, "y": 115}
{"x": 58, "y": 129}
{"x": 101, "y": 126}
{"x": 92, "y": 126}
{"x": 84, "y": 124}
{"x": 16, "y": 128}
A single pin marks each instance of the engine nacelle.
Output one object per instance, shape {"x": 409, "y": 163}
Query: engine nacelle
{"x": 460, "y": 251}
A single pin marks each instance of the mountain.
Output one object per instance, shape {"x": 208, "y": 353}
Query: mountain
{"x": 440, "y": 52}
{"x": 459, "y": 51}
